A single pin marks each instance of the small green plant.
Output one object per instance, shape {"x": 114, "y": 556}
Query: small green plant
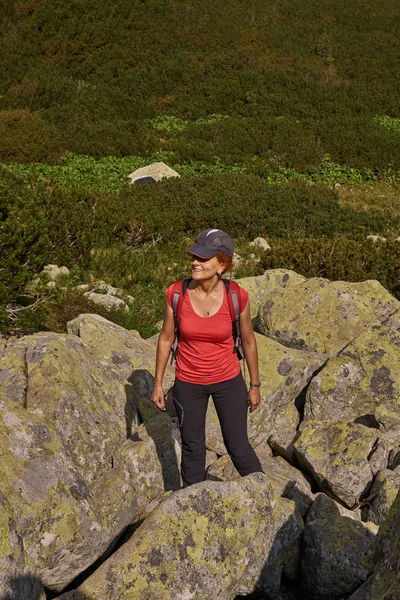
{"x": 389, "y": 122}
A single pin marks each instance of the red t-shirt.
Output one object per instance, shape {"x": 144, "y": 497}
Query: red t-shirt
{"x": 205, "y": 351}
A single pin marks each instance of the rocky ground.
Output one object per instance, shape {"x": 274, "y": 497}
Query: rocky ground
{"x": 90, "y": 502}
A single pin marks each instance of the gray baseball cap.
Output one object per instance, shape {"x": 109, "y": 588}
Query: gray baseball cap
{"x": 211, "y": 241}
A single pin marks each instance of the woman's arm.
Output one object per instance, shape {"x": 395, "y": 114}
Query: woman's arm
{"x": 165, "y": 341}
{"x": 249, "y": 345}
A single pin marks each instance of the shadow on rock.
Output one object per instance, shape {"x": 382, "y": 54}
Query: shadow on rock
{"x": 158, "y": 425}
{"x": 30, "y": 587}
{"x": 23, "y": 587}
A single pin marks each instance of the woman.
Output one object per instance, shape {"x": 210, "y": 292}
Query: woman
{"x": 206, "y": 362}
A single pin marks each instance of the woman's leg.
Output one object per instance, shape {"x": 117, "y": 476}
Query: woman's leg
{"x": 191, "y": 402}
{"x": 230, "y": 399}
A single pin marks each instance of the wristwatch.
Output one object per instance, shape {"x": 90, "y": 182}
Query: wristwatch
{"x": 255, "y": 384}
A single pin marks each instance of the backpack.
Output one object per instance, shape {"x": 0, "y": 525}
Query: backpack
{"x": 232, "y": 290}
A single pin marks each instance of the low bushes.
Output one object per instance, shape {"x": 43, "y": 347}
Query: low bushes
{"x": 339, "y": 259}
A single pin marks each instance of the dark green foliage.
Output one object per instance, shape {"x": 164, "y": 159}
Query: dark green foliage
{"x": 339, "y": 259}
{"x": 256, "y": 104}
{"x": 299, "y": 80}
{"x": 26, "y": 137}
{"x": 25, "y": 246}
{"x": 246, "y": 206}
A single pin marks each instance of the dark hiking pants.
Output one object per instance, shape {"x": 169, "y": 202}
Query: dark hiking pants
{"x": 230, "y": 401}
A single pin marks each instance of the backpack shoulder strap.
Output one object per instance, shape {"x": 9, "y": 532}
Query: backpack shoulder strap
{"x": 179, "y": 291}
{"x": 234, "y": 299}
{"x": 235, "y": 309}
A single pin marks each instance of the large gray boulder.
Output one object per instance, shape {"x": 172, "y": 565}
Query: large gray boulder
{"x": 121, "y": 349}
{"x": 361, "y": 384}
{"x": 260, "y": 286}
{"x": 383, "y": 492}
{"x": 211, "y": 540}
{"x": 77, "y": 465}
{"x": 324, "y": 316}
{"x": 286, "y": 481}
{"x": 336, "y": 557}
{"x": 384, "y": 583}
{"x": 340, "y": 456}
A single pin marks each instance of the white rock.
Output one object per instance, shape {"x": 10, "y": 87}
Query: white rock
{"x": 54, "y": 271}
{"x": 376, "y": 238}
{"x": 152, "y": 173}
{"x": 106, "y": 300}
{"x": 261, "y": 243}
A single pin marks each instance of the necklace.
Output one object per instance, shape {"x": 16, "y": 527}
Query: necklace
{"x": 202, "y": 301}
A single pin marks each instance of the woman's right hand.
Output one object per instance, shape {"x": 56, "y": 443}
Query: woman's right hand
{"x": 158, "y": 396}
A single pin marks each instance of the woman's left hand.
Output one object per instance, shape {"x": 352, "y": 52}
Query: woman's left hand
{"x": 254, "y": 398}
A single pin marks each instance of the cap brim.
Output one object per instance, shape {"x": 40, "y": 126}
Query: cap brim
{"x": 201, "y": 251}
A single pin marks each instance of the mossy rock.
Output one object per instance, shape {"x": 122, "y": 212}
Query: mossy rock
{"x": 260, "y": 286}
{"x": 338, "y": 456}
{"x": 73, "y": 480}
{"x": 386, "y": 485}
{"x": 286, "y": 480}
{"x": 12, "y": 555}
{"x": 361, "y": 384}
{"x": 324, "y": 316}
{"x": 384, "y": 583}
{"x": 123, "y": 350}
{"x": 206, "y": 541}
{"x": 336, "y": 557}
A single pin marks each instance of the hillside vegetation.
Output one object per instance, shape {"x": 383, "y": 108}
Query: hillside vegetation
{"x": 280, "y": 116}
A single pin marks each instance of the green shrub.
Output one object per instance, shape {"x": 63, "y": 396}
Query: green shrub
{"x": 25, "y": 245}
{"x": 24, "y": 136}
{"x": 339, "y": 259}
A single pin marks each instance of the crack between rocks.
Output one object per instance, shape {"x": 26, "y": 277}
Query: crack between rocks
{"x": 360, "y": 361}
{"x": 26, "y": 376}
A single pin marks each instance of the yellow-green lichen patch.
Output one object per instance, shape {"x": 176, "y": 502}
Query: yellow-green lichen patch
{"x": 324, "y": 316}
{"x": 337, "y": 454}
{"x": 191, "y": 533}
{"x": 360, "y": 382}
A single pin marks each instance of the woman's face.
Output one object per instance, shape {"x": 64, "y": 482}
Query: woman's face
{"x": 205, "y": 268}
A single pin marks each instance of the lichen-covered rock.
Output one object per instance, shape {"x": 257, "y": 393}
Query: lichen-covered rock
{"x": 394, "y": 320}
{"x": 13, "y": 380}
{"x": 336, "y": 557}
{"x": 284, "y": 373}
{"x": 73, "y": 479}
{"x": 207, "y": 541}
{"x": 87, "y": 402}
{"x": 337, "y": 455}
{"x": 123, "y": 350}
{"x": 384, "y": 583}
{"x": 386, "y": 485}
{"x": 324, "y": 316}
{"x": 362, "y": 383}
{"x": 286, "y": 481}
{"x": 260, "y": 286}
